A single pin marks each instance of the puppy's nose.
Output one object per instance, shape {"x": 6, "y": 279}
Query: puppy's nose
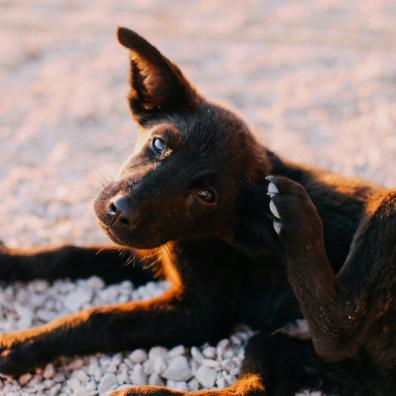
{"x": 121, "y": 211}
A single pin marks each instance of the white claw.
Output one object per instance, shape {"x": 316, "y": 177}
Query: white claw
{"x": 274, "y": 209}
{"x": 272, "y": 189}
{"x": 277, "y": 227}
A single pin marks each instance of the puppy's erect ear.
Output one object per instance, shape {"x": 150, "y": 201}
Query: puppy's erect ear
{"x": 157, "y": 85}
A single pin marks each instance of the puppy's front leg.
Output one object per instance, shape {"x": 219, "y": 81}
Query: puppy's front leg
{"x": 74, "y": 262}
{"x": 167, "y": 320}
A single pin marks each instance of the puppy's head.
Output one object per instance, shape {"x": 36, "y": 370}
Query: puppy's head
{"x": 185, "y": 177}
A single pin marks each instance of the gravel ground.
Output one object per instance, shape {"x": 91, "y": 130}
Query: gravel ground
{"x": 316, "y": 79}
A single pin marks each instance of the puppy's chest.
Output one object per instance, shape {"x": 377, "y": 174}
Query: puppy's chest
{"x": 267, "y": 300}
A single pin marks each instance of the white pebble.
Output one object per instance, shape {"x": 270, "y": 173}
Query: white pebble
{"x": 235, "y": 371}
{"x": 196, "y": 354}
{"x": 95, "y": 282}
{"x": 122, "y": 377}
{"x": 221, "y": 383}
{"x": 138, "y": 356}
{"x": 25, "y": 316}
{"x": 73, "y": 383}
{"x": 54, "y": 391}
{"x": 176, "y": 351}
{"x": 49, "y": 371}
{"x": 76, "y": 364}
{"x": 193, "y": 384}
{"x": 223, "y": 344}
{"x": 210, "y": 352}
{"x": 180, "y": 385}
{"x": 230, "y": 379}
{"x": 178, "y": 369}
{"x": 37, "y": 300}
{"x": 206, "y": 376}
{"x": 229, "y": 353}
{"x": 59, "y": 377}
{"x": 194, "y": 366}
{"x": 77, "y": 299}
{"x": 107, "y": 382}
{"x": 44, "y": 315}
{"x": 138, "y": 375}
{"x": 91, "y": 386}
{"x": 228, "y": 364}
{"x": 211, "y": 363}
{"x": 158, "y": 352}
{"x": 97, "y": 374}
{"x": 235, "y": 340}
{"x": 25, "y": 378}
{"x": 81, "y": 392}
{"x": 82, "y": 376}
{"x": 155, "y": 380}
{"x": 159, "y": 365}
{"x": 148, "y": 366}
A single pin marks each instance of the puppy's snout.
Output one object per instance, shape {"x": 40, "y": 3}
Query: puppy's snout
{"x": 122, "y": 212}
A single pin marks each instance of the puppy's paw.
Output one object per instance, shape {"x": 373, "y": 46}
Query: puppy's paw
{"x": 20, "y": 353}
{"x": 295, "y": 218}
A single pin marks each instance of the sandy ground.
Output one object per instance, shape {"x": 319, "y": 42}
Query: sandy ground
{"x": 316, "y": 79}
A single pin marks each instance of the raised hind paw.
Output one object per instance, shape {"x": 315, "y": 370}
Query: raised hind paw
{"x": 294, "y": 215}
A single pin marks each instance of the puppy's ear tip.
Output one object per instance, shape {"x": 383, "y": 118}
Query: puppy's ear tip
{"x": 126, "y": 37}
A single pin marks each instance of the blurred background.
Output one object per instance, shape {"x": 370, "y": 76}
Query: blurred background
{"x": 316, "y": 79}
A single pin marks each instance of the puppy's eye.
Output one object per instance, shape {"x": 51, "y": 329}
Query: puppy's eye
{"x": 158, "y": 145}
{"x": 206, "y": 195}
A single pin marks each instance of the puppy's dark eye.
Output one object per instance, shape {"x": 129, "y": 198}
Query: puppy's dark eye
{"x": 206, "y": 195}
{"x": 158, "y": 145}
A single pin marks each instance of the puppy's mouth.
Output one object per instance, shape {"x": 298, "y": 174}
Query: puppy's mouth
{"x": 114, "y": 236}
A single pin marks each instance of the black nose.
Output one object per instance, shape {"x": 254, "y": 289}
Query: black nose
{"x": 121, "y": 211}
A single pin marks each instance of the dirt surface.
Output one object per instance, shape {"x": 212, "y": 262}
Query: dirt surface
{"x": 316, "y": 79}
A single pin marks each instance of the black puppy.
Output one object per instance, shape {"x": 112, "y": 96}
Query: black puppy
{"x": 195, "y": 189}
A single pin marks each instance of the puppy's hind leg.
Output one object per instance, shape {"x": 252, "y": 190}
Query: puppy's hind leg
{"x": 341, "y": 310}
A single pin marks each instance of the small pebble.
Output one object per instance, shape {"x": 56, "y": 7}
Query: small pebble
{"x": 138, "y": 375}
{"x": 138, "y": 356}
{"x": 82, "y": 376}
{"x": 178, "y": 369}
{"x": 206, "y": 376}
{"x": 155, "y": 379}
{"x": 176, "y": 351}
{"x": 81, "y": 392}
{"x": 221, "y": 383}
{"x": 210, "y": 363}
{"x": 209, "y": 352}
{"x": 193, "y": 384}
{"x": 108, "y": 381}
{"x": 148, "y": 366}
{"x": 49, "y": 371}
{"x": 73, "y": 383}
{"x": 76, "y": 364}
{"x": 25, "y": 378}
{"x": 158, "y": 352}
{"x": 76, "y": 300}
{"x": 196, "y": 354}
